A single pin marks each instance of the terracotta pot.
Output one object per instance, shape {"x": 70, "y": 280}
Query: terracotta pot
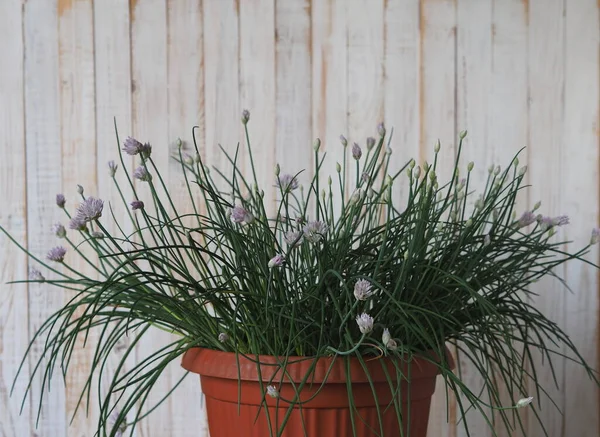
{"x": 237, "y": 410}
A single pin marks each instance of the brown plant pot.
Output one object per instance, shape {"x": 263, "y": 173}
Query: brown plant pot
{"x": 237, "y": 410}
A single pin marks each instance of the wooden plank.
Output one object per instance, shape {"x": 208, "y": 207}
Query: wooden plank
{"x": 113, "y": 102}
{"x": 186, "y": 109}
{"x": 42, "y": 135}
{"x": 507, "y": 123}
{"x": 78, "y": 136}
{"x": 547, "y": 157}
{"x": 401, "y": 82}
{"x": 437, "y": 51}
{"x": 581, "y": 145}
{"x": 149, "y": 123}
{"x": 13, "y": 217}
{"x": 221, "y": 80}
{"x": 257, "y": 93}
{"x": 365, "y": 69}
{"x": 473, "y": 83}
{"x": 293, "y": 135}
{"x": 330, "y": 82}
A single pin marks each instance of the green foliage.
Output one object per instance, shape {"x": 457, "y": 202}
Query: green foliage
{"x": 443, "y": 268}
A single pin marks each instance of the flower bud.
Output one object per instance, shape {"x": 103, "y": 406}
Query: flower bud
{"x": 370, "y": 143}
{"x": 343, "y": 140}
{"x": 338, "y": 167}
{"x": 523, "y": 170}
{"x": 79, "y": 189}
{"x": 417, "y": 172}
{"x": 329, "y": 181}
{"x": 497, "y": 171}
{"x": 437, "y": 146}
{"x": 412, "y": 164}
{"x": 463, "y": 134}
{"x": 317, "y": 145}
{"x": 381, "y": 129}
{"x": 524, "y": 402}
{"x": 470, "y": 166}
{"x": 245, "y": 116}
{"x": 537, "y": 206}
{"x": 277, "y": 169}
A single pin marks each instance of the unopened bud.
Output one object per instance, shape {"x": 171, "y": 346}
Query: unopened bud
{"x": 343, "y": 140}
{"x": 79, "y": 189}
{"x": 277, "y": 169}
{"x": 245, "y": 116}
{"x": 317, "y": 145}
{"x": 370, "y": 143}
{"x": 437, "y": 146}
{"x": 381, "y": 129}
{"x": 412, "y": 163}
{"x": 463, "y": 134}
{"x": 470, "y": 166}
{"x": 338, "y": 167}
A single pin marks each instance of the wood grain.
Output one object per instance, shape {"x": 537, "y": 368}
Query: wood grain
{"x": 13, "y": 217}
{"x": 43, "y": 182}
{"x": 548, "y": 156}
{"x": 511, "y": 72}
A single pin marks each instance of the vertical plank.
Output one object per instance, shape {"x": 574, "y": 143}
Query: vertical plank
{"x": 113, "y": 102}
{"x": 186, "y": 109}
{"x": 149, "y": 123}
{"x": 78, "y": 136}
{"x": 330, "y": 81}
{"x": 257, "y": 93}
{"x": 547, "y": 156}
{"x": 293, "y": 135}
{"x": 365, "y": 68}
{"x": 42, "y": 136}
{"x": 401, "y": 83}
{"x": 13, "y": 217}
{"x": 221, "y": 79}
{"x": 581, "y": 144}
{"x": 507, "y": 123}
{"x": 473, "y": 83}
{"x": 437, "y": 76}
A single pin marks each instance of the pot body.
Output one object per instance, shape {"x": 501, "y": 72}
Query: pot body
{"x": 236, "y": 406}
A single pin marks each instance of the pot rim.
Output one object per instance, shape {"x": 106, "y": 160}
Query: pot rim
{"x": 232, "y": 365}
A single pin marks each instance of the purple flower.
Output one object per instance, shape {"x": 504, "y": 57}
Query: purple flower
{"x": 35, "y": 275}
{"x": 356, "y": 151}
{"x": 314, "y": 231}
{"x": 370, "y": 143}
{"x": 276, "y": 261}
{"x": 137, "y": 204}
{"x": 60, "y": 200}
{"x": 97, "y": 234}
{"x": 362, "y": 289}
{"x": 57, "y": 254}
{"x": 142, "y": 174}
{"x": 112, "y": 422}
{"x": 293, "y": 238}
{"x": 365, "y": 323}
{"x": 561, "y": 220}
{"x": 59, "y": 230}
{"x": 146, "y": 150}
{"x": 381, "y": 129}
{"x": 77, "y": 223}
{"x": 287, "y": 182}
{"x": 245, "y": 116}
{"x": 112, "y": 168}
{"x": 90, "y": 209}
{"x": 595, "y": 236}
{"x": 131, "y": 146}
{"x": 526, "y": 219}
{"x": 239, "y": 214}
{"x": 546, "y": 222}
{"x": 272, "y": 391}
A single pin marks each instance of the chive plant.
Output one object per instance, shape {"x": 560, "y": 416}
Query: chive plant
{"x": 358, "y": 278}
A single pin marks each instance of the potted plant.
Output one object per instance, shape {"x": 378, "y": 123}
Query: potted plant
{"x": 328, "y": 315}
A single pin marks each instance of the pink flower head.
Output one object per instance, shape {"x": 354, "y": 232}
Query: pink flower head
{"x": 35, "y": 275}
{"x": 276, "y": 261}
{"x": 239, "y": 214}
{"x": 137, "y": 204}
{"x": 142, "y": 174}
{"x": 59, "y": 230}
{"x": 365, "y": 323}
{"x": 526, "y": 219}
{"x": 293, "y": 238}
{"x": 314, "y": 231}
{"x": 77, "y": 223}
{"x": 287, "y": 182}
{"x": 131, "y": 146}
{"x": 362, "y": 289}
{"x": 90, "y": 209}
{"x": 356, "y": 151}
{"x": 57, "y": 254}
{"x": 60, "y": 200}
{"x": 245, "y": 116}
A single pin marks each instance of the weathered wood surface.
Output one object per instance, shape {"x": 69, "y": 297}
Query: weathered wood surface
{"x": 513, "y": 73}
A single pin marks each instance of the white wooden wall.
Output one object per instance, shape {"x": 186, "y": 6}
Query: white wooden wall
{"x": 512, "y": 72}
